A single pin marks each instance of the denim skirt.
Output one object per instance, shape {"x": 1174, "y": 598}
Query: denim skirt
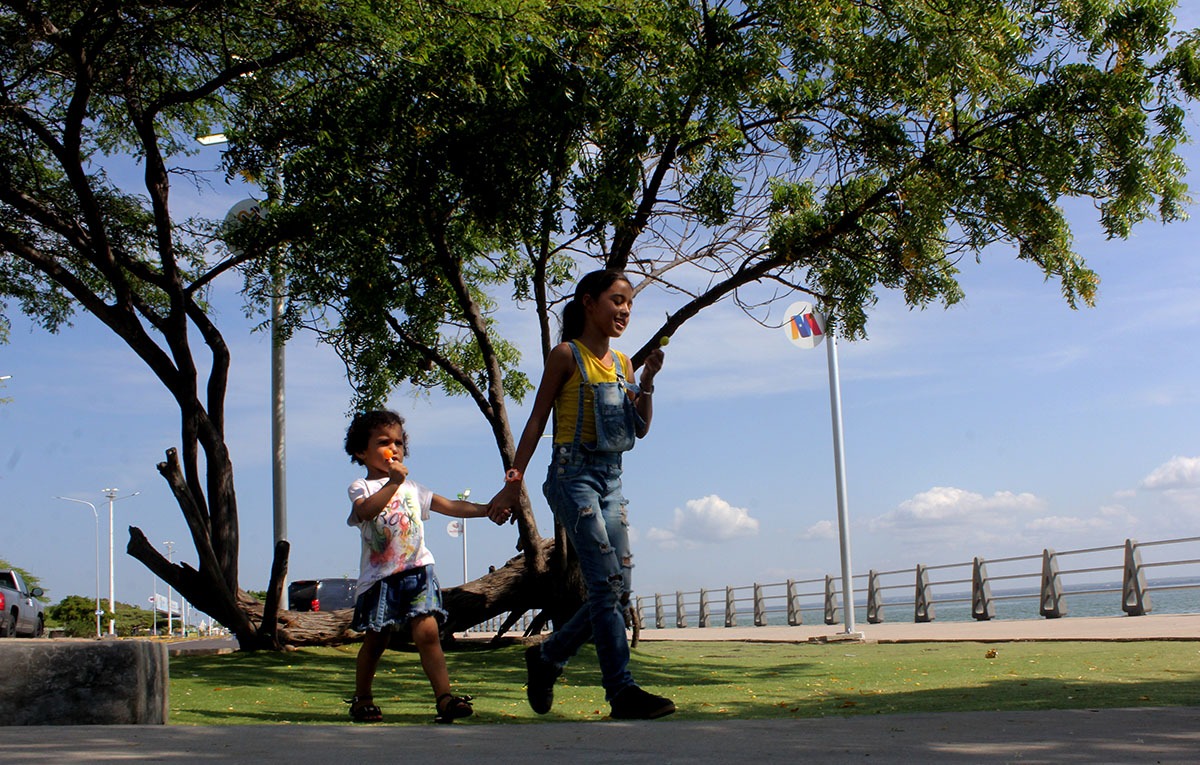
{"x": 396, "y": 600}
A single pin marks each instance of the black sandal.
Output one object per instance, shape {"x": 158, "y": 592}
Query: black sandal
{"x": 363, "y": 710}
{"x": 454, "y": 708}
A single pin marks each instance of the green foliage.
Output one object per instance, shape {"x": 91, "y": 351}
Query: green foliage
{"x": 133, "y": 620}
{"x": 834, "y": 148}
{"x": 75, "y": 615}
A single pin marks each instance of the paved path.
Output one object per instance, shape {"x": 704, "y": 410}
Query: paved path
{"x": 1163, "y": 735}
{"x": 1144, "y": 735}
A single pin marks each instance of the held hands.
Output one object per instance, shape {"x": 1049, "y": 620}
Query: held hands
{"x": 498, "y": 515}
{"x": 505, "y": 500}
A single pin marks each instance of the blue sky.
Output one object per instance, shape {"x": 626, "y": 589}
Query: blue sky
{"x": 998, "y": 427}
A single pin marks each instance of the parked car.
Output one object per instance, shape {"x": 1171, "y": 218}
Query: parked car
{"x": 321, "y": 594}
{"x": 20, "y": 609}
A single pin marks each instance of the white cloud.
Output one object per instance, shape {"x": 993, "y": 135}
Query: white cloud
{"x": 819, "y": 530}
{"x": 961, "y": 522}
{"x": 1175, "y": 473}
{"x": 705, "y": 520}
{"x": 944, "y": 506}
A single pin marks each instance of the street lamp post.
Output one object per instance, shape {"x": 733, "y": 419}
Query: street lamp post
{"x": 462, "y": 525}
{"x": 278, "y": 383}
{"x": 112, "y": 599}
{"x": 170, "y": 550}
{"x": 97, "y": 515}
{"x": 154, "y": 608}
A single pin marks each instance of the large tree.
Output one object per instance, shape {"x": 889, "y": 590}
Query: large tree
{"x": 715, "y": 150}
{"x": 84, "y": 84}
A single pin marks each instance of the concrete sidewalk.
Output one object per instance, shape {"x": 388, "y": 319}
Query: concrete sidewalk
{"x": 1150, "y": 735}
{"x": 1143, "y": 735}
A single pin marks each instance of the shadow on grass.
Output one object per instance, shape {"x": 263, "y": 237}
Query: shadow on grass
{"x": 708, "y": 681}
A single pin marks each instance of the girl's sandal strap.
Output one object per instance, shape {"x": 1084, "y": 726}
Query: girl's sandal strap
{"x": 453, "y": 708}
{"x": 363, "y": 709}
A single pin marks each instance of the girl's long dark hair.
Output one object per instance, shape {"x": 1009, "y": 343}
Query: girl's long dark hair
{"x": 594, "y": 285}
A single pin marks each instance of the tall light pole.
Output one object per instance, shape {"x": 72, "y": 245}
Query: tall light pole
{"x": 806, "y": 328}
{"x": 462, "y": 526}
{"x": 278, "y": 409}
{"x": 170, "y": 550}
{"x": 154, "y": 608}
{"x": 97, "y": 515}
{"x": 112, "y": 599}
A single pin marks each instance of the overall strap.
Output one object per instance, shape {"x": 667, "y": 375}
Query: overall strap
{"x": 583, "y": 380}
{"x": 619, "y": 365}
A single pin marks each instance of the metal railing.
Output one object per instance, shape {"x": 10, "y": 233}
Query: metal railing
{"x": 1052, "y": 581}
{"x": 923, "y": 589}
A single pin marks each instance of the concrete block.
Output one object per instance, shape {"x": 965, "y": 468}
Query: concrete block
{"x": 85, "y": 682}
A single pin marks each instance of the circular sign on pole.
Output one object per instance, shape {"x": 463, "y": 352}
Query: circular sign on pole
{"x": 238, "y": 215}
{"x": 453, "y": 529}
{"x": 804, "y": 326}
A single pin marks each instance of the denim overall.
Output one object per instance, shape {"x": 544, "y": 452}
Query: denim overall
{"x": 583, "y": 487}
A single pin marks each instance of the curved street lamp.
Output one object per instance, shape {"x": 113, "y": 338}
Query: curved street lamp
{"x": 97, "y": 514}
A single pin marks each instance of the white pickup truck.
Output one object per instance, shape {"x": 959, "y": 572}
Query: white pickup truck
{"x": 20, "y": 609}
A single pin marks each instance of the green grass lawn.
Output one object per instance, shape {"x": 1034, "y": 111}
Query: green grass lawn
{"x": 708, "y": 681}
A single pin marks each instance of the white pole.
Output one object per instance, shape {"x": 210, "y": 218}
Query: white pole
{"x": 112, "y": 602}
{"x": 839, "y": 463}
{"x": 170, "y": 550}
{"x": 462, "y": 524}
{"x": 278, "y": 411}
{"x": 97, "y": 519}
{"x": 112, "y": 599}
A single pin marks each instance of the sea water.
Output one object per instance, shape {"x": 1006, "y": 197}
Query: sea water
{"x": 1177, "y": 597}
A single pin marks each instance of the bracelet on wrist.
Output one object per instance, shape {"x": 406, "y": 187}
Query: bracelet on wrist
{"x": 513, "y": 476}
{"x": 646, "y": 390}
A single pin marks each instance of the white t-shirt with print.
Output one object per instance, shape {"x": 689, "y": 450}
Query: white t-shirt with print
{"x": 394, "y": 540}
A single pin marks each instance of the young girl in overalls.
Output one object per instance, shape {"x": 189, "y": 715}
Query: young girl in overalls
{"x": 598, "y": 412}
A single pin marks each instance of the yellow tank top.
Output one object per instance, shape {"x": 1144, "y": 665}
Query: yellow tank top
{"x": 566, "y": 406}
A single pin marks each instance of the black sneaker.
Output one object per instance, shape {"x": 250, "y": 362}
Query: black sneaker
{"x": 633, "y": 703}
{"x": 539, "y": 680}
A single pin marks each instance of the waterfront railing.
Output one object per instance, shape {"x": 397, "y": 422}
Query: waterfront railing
{"x": 1123, "y": 578}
